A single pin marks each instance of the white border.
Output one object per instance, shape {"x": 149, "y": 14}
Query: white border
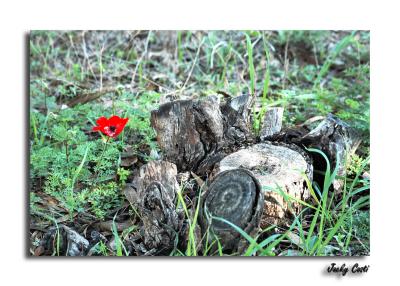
{"x": 17, "y": 18}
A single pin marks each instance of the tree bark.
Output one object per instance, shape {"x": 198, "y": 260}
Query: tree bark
{"x": 153, "y": 195}
{"x": 189, "y": 132}
{"x": 237, "y": 124}
{"x": 62, "y": 240}
{"x": 272, "y": 123}
{"x": 333, "y": 137}
{"x": 338, "y": 141}
{"x": 197, "y": 133}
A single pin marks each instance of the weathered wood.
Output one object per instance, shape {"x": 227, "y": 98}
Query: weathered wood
{"x": 257, "y": 186}
{"x": 333, "y": 137}
{"x": 279, "y": 170}
{"x": 194, "y": 133}
{"x": 153, "y": 195}
{"x": 237, "y": 124}
{"x": 337, "y": 140}
{"x": 272, "y": 123}
{"x": 62, "y": 240}
{"x": 188, "y": 131}
{"x": 236, "y": 196}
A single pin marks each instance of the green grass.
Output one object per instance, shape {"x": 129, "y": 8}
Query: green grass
{"x": 192, "y": 243}
{"x": 251, "y": 65}
{"x": 330, "y": 230}
{"x": 264, "y": 248}
{"x": 328, "y": 62}
{"x": 119, "y": 245}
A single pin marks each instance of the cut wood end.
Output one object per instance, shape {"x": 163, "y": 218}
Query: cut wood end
{"x": 280, "y": 171}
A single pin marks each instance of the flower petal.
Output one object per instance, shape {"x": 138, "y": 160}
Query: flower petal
{"x": 102, "y": 121}
{"x": 114, "y": 120}
{"x": 111, "y": 127}
{"x": 121, "y": 125}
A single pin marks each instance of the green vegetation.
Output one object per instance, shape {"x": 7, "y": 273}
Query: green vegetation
{"x": 77, "y": 166}
{"x": 331, "y": 229}
{"x": 76, "y": 77}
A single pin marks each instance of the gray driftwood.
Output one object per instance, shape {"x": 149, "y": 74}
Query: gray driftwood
{"x": 236, "y": 196}
{"x": 153, "y": 194}
{"x": 279, "y": 170}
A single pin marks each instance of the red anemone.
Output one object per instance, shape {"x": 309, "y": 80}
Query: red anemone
{"x": 112, "y": 126}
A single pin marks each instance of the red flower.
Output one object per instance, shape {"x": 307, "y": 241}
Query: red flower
{"x": 111, "y": 127}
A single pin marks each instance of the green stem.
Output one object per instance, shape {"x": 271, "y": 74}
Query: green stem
{"x": 67, "y": 157}
{"x": 104, "y": 149}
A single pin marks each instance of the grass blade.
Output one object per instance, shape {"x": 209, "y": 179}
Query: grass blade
{"x": 250, "y": 64}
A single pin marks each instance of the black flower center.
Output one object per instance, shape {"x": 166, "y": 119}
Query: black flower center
{"x": 112, "y": 128}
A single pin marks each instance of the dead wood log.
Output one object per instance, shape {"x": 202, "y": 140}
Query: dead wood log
{"x": 337, "y": 140}
{"x": 279, "y": 170}
{"x": 332, "y": 136}
{"x": 237, "y": 124}
{"x": 235, "y": 196}
{"x": 62, "y": 240}
{"x": 188, "y": 131}
{"x": 193, "y": 133}
{"x": 272, "y": 123}
{"x": 153, "y": 195}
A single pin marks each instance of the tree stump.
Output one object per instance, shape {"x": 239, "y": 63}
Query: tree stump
{"x": 153, "y": 195}
{"x": 237, "y": 124}
{"x": 189, "y": 132}
{"x": 279, "y": 170}
{"x": 272, "y": 123}
{"x": 235, "y": 196}
{"x": 194, "y": 133}
{"x": 256, "y": 186}
{"x": 333, "y": 137}
{"x": 337, "y": 140}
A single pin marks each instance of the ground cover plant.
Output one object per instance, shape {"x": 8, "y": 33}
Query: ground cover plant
{"x": 78, "y": 172}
